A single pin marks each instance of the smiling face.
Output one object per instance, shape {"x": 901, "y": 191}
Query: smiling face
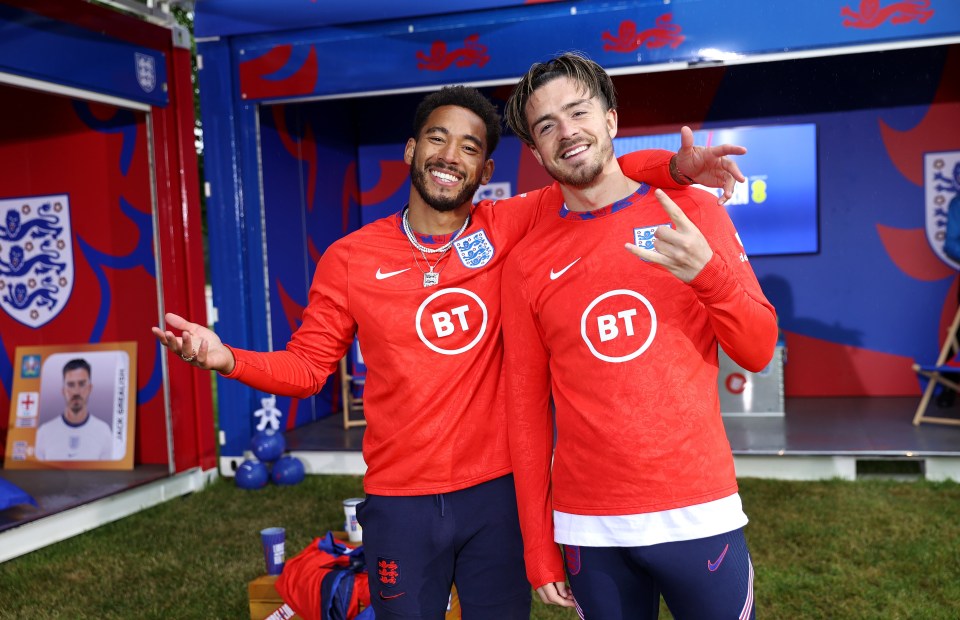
{"x": 572, "y": 133}
{"x": 448, "y": 159}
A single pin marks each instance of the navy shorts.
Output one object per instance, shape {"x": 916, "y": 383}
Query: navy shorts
{"x": 417, "y": 546}
{"x": 703, "y": 579}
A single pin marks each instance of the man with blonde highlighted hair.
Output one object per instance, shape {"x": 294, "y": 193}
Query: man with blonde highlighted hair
{"x": 640, "y": 488}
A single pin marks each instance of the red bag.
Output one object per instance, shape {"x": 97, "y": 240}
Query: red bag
{"x": 326, "y": 581}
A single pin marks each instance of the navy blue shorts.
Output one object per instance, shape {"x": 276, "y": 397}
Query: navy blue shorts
{"x": 417, "y": 546}
{"x": 703, "y": 579}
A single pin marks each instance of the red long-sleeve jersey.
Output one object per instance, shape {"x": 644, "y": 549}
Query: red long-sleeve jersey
{"x": 630, "y": 352}
{"x": 432, "y": 397}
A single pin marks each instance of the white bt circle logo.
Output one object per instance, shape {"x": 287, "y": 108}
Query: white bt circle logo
{"x": 451, "y": 321}
{"x": 618, "y": 326}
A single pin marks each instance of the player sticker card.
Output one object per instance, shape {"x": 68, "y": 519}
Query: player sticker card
{"x": 73, "y": 407}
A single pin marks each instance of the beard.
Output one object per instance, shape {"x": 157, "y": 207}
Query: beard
{"x": 582, "y": 175}
{"x": 76, "y": 405}
{"x": 442, "y": 202}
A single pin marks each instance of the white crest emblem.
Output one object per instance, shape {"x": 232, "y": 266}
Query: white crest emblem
{"x": 941, "y": 181}
{"x": 146, "y": 72}
{"x": 475, "y": 249}
{"x": 36, "y": 258}
{"x": 643, "y": 237}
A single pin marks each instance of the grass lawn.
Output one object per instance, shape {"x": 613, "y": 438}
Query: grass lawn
{"x": 833, "y": 549}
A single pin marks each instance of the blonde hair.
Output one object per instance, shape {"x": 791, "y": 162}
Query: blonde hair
{"x": 574, "y": 65}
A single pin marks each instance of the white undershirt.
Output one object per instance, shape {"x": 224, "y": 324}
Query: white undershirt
{"x": 652, "y": 528}
{"x": 57, "y": 440}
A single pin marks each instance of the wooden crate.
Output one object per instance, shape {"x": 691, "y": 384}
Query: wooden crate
{"x": 453, "y": 609}
{"x": 264, "y": 598}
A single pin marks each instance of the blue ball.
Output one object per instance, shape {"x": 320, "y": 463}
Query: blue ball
{"x": 252, "y": 474}
{"x": 288, "y": 470}
{"x": 268, "y": 445}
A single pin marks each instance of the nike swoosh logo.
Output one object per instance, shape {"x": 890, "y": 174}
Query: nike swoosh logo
{"x": 713, "y": 566}
{"x": 391, "y": 597}
{"x": 390, "y": 274}
{"x": 556, "y": 274}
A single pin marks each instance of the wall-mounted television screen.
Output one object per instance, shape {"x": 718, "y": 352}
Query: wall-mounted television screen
{"x": 775, "y": 211}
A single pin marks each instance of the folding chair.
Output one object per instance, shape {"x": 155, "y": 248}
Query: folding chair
{"x": 353, "y": 374}
{"x": 934, "y": 373}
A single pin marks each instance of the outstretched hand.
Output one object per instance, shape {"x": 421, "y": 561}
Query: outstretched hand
{"x": 681, "y": 250}
{"x": 709, "y": 165}
{"x": 196, "y": 345}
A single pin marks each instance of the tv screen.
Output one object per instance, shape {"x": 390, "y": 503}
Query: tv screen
{"x": 775, "y": 211}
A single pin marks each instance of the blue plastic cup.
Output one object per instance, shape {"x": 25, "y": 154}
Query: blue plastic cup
{"x": 273, "y": 542}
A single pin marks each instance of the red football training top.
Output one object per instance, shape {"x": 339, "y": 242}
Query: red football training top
{"x": 630, "y": 352}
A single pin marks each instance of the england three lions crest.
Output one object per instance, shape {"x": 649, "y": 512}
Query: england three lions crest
{"x": 643, "y": 237}
{"x": 36, "y": 258}
{"x": 475, "y": 250}
{"x": 941, "y": 180}
{"x": 146, "y": 71}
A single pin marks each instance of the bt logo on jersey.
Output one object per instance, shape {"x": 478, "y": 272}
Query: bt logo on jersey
{"x": 608, "y": 324}
{"x": 451, "y": 321}
{"x": 618, "y": 326}
{"x": 443, "y": 321}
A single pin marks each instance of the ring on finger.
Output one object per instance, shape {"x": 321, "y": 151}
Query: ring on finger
{"x": 189, "y": 359}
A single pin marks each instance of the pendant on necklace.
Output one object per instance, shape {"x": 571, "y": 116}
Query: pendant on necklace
{"x": 430, "y": 279}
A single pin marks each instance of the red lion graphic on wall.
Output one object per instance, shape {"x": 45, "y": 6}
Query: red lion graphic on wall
{"x": 872, "y": 15}
{"x": 628, "y": 39}
{"x": 472, "y": 53}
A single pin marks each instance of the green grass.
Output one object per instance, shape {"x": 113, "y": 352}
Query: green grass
{"x": 833, "y": 549}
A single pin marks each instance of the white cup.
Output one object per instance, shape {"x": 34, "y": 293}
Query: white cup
{"x": 354, "y": 531}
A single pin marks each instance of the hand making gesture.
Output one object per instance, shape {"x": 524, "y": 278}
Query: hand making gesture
{"x": 681, "y": 250}
{"x": 196, "y": 345}
{"x": 708, "y": 165}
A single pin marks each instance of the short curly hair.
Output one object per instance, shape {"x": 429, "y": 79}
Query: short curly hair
{"x": 464, "y": 97}
{"x": 574, "y": 65}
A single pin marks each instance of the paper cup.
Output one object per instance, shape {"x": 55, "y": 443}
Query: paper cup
{"x": 273, "y": 543}
{"x": 354, "y": 531}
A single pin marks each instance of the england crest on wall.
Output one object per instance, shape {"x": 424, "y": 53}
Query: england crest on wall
{"x": 146, "y": 71}
{"x": 36, "y": 257}
{"x": 941, "y": 181}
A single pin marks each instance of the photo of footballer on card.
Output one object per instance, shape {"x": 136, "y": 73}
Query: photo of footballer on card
{"x": 78, "y": 415}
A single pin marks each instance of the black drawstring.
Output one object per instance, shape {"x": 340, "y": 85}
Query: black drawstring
{"x": 438, "y": 500}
